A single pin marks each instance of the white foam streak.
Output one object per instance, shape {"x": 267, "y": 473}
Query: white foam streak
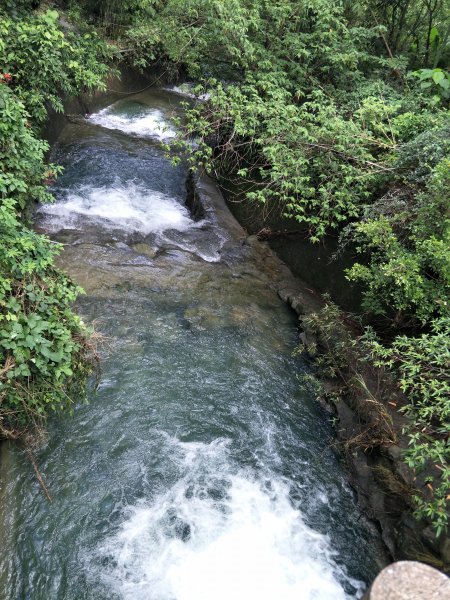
{"x": 130, "y": 207}
{"x": 248, "y": 542}
{"x": 187, "y": 90}
{"x": 149, "y": 123}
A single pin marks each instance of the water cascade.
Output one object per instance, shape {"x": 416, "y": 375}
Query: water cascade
{"x": 201, "y": 468}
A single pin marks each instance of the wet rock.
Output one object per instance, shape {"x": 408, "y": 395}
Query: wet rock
{"x": 177, "y": 527}
{"x": 429, "y": 537}
{"x": 285, "y": 293}
{"x": 182, "y": 530}
{"x": 303, "y": 339}
{"x": 146, "y": 250}
{"x": 252, "y": 241}
{"x": 297, "y": 304}
{"x": 445, "y": 551}
{"x": 202, "y": 318}
{"x": 193, "y": 200}
{"x": 399, "y": 467}
{"x": 231, "y": 252}
{"x": 239, "y": 316}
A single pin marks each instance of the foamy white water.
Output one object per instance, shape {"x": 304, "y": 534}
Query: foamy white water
{"x": 129, "y": 207}
{"x": 186, "y": 89}
{"x": 199, "y": 352}
{"x": 149, "y": 122}
{"x": 239, "y": 539}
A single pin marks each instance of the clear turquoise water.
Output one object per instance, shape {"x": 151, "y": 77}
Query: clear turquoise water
{"x": 200, "y": 469}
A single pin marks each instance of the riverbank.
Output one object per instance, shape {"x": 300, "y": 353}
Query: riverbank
{"x": 379, "y": 476}
{"x": 378, "y": 496}
{"x": 377, "y": 471}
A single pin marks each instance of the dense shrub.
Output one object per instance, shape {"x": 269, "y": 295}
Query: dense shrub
{"x": 45, "y": 350}
{"x": 46, "y": 63}
{"x": 421, "y": 365}
{"x": 44, "y": 347}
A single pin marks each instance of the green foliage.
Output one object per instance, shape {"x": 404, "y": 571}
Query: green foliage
{"x": 281, "y": 125}
{"x": 408, "y": 272}
{"x": 46, "y": 63}
{"x": 435, "y": 80}
{"x": 45, "y": 350}
{"x": 22, "y": 167}
{"x": 42, "y": 343}
{"x": 308, "y": 159}
{"x": 422, "y": 367}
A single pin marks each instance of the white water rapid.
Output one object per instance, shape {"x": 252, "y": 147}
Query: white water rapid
{"x": 128, "y": 207}
{"x": 222, "y": 533}
{"x": 200, "y": 469}
{"x": 145, "y": 123}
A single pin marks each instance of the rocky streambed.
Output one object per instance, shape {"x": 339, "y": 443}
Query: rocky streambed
{"x": 201, "y": 467}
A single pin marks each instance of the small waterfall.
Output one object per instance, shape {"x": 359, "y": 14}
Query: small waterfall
{"x": 139, "y": 121}
{"x": 200, "y": 470}
{"x": 129, "y": 207}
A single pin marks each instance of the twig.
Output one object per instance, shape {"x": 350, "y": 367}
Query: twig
{"x": 38, "y": 474}
{"x": 388, "y": 48}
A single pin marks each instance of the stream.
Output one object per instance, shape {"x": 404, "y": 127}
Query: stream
{"x": 201, "y": 469}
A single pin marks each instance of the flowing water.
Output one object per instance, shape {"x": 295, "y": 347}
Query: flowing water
{"x": 200, "y": 469}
